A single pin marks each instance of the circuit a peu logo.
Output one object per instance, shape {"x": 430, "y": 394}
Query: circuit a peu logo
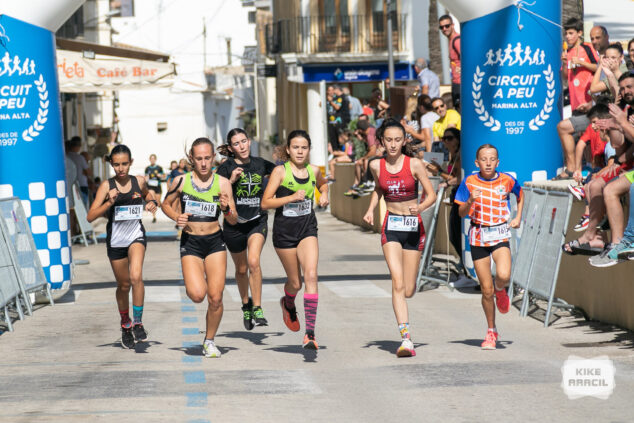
{"x": 22, "y": 91}
{"x": 519, "y": 79}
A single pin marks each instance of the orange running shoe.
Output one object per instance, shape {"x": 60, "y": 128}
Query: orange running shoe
{"x": 309, "y": 342}
{"x": 406, "y": 349}
{"x": 490, "y": 340}
{"x": 289, "y": 316}
{"x": 502, "y": 300}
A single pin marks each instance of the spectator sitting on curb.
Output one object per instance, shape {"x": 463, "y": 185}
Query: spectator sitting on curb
{"x": 611, "y": 68}
{"x": 345, "y": 155}
{"x": 591, "y": 241}
{"x": 600, "y": 160}
{"x": 367, "y": 133}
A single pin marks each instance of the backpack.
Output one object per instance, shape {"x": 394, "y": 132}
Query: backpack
{"x": 453, "y": 46}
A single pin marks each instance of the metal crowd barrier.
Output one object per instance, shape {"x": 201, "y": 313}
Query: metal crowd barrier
{"x": 536, "y": 267}
{"x": 21, "y": 271}
{"x": 427, "y": 273}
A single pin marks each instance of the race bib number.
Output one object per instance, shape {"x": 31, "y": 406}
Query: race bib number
{"x": 153, "y": 182}
{"x": 495, "y": 233}
{"x": 128, "y": 212}
{"x": 302, "y": 208}
{"x": 199, "y": 208}
{"x": 402, "y": 223}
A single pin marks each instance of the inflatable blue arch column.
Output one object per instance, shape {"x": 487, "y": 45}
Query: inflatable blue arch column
{"x": 510, "y": 86}
{"x": 31, "y": 146}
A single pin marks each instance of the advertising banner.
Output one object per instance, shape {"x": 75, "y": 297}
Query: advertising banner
{"x": 79, "y": 74}
{"x": 31, "y": 147}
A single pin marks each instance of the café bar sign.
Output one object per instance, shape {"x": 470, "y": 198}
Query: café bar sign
{"x": 80, "y": 74}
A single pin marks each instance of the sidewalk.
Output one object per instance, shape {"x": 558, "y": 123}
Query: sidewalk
{"x": 65, "y": 363}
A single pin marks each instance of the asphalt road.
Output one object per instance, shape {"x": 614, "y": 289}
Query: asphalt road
{"x": 65, "y": 363}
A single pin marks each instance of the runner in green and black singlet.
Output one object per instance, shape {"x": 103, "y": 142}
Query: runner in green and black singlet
{"x": 247, "y": 237}
{"x": 291, "y": 191}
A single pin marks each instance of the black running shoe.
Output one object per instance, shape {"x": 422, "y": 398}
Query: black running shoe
{"x": 258, "y": 314}
{"x": 140, "y": 334}
{"x": 247, "y": 315}
{"x": 127, "y": 338}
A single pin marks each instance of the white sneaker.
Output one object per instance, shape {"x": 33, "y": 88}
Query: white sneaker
{"x": 210, "y": 350}
{"x": 406, "y": 349}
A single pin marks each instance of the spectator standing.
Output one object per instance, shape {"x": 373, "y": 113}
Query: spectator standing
{"x": 429, "y": 82}
{"x": 446, "y": 25}
{"x": 153, "y": 176}
{"x": 630, "y": 54}
{"x": 356, "y": 109}
{"x": 600, "y": 39}
{"x": 580, "y": 63}
{"x": 83, "y": 170}
{"x": 344, "y": 111}
{"x": 427, "y": 118}
{"x": 333, "y": 106}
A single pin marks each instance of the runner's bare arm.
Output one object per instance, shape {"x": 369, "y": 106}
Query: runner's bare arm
{"x": 227, "y": 205}
{"x": 322, "y": 186}
{"x": 170, "y": 205}
{"x": 102, "y": 203}
{"x": 269, "y": 201}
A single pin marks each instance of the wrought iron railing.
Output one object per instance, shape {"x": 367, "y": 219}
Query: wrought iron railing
{"x": 336, "y": 33}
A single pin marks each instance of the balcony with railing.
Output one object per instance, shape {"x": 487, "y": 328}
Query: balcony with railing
{"x": 335, "y": 34}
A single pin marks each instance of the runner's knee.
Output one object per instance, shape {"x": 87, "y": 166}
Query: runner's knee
{"x": 487, "y": 292}
{"x": 254, "y": 265}
{"x": 197, "y": 295}
{"x": 241, "y": 270}
{"x": 215, "y": 301}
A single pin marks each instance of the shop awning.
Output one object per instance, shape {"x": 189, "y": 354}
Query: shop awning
{"x": 88, "y": 67}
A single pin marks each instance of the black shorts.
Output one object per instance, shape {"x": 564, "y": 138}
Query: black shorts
{"x": 409, "y": 240}
{"x": 478, "y": 253}
{"x": 118, "y": 253}
{"x": 155, "y": 189}
{"x": 455, "y": 95}
{"x": 237, "y": 236}
{"x": 289, "y": 235}
{"x": 201, "y": 245}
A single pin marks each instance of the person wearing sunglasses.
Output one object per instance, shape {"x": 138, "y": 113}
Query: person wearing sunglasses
{"x": 446, "y": 26}
{"x": 448, "y": 118}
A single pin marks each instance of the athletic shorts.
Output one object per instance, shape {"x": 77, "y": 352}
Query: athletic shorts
{"x": 201, "y": 245}
{"x": 236, "y": 236}
{"x": 118, "y": 253}
{"x": 579, "y": 125}
{"x": 287, "y": 235}
{"x": 409, "y": 239}
{"x": 478, "y": 253}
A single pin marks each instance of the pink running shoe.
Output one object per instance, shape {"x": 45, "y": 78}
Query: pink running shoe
{"x": 406, "y": 349}
{"x": 490, "y": 340}
{"x": 502, "y": 300}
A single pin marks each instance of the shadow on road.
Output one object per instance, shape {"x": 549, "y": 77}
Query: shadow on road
{"x": 255, "y": 338}
{"x": 478, "y": 343}
{"x": 139, "y": 347}
{"x": 310, "y": 356}
{"x": 389, "y": 346}
{"x": 624, "y": 339}
{"x": 197, "y": 350}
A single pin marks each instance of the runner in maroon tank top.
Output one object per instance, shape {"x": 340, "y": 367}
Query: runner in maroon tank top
{"x": 403, "y": 235}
